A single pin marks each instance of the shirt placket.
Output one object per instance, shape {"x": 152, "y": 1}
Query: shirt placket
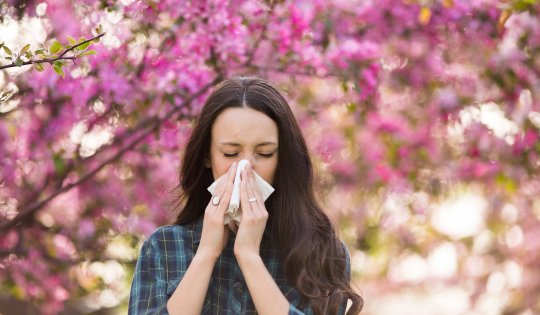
{"x": 239, "y": 287}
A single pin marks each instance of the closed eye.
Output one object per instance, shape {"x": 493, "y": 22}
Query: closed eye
{"x": 264, "y": 155}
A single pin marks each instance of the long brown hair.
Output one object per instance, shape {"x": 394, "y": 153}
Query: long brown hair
{"x": 314, "y": 258}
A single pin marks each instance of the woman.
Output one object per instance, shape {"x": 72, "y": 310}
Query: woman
{"x": 284, "y": 256}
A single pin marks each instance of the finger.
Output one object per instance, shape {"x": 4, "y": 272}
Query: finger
{"x": 222, "y": 186}
{"x": 251, "y": 192}
{"x": 226, "y": 196}
{"x": 255, "y": 191}
{"x": 244, "y": 198}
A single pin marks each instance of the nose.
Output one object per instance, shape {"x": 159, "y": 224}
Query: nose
{"x": 251, "y": 159}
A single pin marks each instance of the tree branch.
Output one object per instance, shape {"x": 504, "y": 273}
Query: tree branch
{"x": 262, "y": 35}
{"x": 29, "y": 210}
{"x": 51, "y": 60}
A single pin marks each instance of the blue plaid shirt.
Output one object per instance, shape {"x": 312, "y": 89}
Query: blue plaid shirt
{"x": 165, "y": 258}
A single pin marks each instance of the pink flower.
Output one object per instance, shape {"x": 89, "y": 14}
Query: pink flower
{"x": 65, "y": 249}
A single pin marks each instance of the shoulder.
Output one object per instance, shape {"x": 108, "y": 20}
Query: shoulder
{"x": 345, "y": 250}
{"x": 170, "y": 232}
{"x": 170, "y": 237}
{"x": 347, "y": 257}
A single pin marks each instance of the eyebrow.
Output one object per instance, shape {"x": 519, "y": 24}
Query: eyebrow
{"x": 234, "y": 144}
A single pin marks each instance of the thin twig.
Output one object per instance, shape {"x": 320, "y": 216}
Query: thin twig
{"x": 82, "y": 43}
{"x": 51, "y": 60}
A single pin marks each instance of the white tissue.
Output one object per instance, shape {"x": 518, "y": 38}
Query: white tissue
{"x": 234, "y": 211}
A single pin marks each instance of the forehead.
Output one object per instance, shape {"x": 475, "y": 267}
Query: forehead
{"x": 244, "y": 126}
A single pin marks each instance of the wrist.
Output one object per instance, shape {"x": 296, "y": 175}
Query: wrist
{"x": 247, "y": 257}
{"x": 206, "y": 256}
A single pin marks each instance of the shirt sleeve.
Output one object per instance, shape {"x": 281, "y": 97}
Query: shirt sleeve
{"x": 149, "y": 286}
{"x": 293, "y": 310}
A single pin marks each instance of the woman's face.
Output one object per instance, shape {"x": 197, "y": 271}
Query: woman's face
{"x": 244, "y": 134}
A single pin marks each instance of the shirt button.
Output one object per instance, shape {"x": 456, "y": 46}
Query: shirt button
{"x": 237, "y": 285}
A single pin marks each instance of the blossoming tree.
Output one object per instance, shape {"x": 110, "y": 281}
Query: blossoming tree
{"x": 423, "y": 116}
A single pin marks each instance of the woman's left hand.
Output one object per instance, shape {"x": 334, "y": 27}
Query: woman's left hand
{"x": 254, "y": 216}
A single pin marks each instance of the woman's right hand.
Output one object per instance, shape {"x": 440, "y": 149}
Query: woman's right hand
{"x": 215, "y": 233}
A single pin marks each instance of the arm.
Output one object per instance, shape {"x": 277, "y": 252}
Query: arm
{"x": 264, "y": 291}
{"x": 188, "y": 298}
{"x": 149, "y": 285}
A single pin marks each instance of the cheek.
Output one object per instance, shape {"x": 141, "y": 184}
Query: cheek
{"x": 268, "y": 171}
{"x": 219, "y": 167}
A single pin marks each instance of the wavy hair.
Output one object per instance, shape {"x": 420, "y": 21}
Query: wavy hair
{"x": 313, "y": 257}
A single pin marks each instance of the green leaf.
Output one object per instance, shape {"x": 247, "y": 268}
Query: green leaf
{"x": 7, "y": 50}
{"x": 351, "y": 107}
{"x": 59, "y": 63}
{"x": 28, "y": 54}
{"x": 55, "y": 47}
{"x": 59, "y": 164}
{"x": 71, "y": 40}
{"x": 58, "y": 70}
{"x": 83, "y": 46}
{"x": 88, "y": 52}
{"x": 24, "y": 49}
{"x": 522, "y": 5}
{"x": 39, "y": 52}
{"x": 39, "y": 67}
{"x": 8, "y": 58}
{"x": 506, "y": 182}
{"x": 19, "y": 62}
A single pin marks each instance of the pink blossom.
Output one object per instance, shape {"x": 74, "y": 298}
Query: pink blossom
{"x": 9, "y": 241}
{"x": 376, "y": 130}
{"x": 65, "y": 249}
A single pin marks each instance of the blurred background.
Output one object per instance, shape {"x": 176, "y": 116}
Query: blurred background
{"x": 423, "y": 119}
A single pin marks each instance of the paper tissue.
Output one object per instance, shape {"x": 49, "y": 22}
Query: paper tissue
{"x": 234, "y": 211}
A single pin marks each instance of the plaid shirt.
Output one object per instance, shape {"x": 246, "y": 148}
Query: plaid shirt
{"x": 165, "y": 258}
